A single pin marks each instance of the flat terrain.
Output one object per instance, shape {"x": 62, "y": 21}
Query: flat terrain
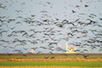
{"x": 52, "y": 59}
{"x": 81, "y": 64}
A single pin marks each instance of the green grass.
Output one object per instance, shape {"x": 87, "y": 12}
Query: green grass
{"x": 81, "y": 64}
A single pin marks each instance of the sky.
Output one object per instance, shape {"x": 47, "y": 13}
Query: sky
{"x": 43, "y": 25}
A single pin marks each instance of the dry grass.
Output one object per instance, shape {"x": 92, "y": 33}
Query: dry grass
{"x": 44, "y": 67}
{"x": 48, "y": 60}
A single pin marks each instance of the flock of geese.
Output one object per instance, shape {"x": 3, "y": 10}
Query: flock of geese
{"x": 46, "y": 34}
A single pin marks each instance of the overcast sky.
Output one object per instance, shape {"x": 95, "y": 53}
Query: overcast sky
{"x": 53, "y": 11}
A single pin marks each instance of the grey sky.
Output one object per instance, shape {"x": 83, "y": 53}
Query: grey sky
{"x": 51, "y": 10}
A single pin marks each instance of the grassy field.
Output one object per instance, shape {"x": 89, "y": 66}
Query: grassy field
{"x": 81, "y": 64}
{"x": 45, "y": 67}
{"x": 51, "y": 61}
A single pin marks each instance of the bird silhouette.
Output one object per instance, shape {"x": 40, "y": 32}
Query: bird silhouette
{"x": 60, "y": 25}
{"x": 100, "y": 49}
{"x": 44, "y": 11}
{"x": 100, "y": 18}
{"x": 46, "y": 57}
{"x": 80, "y": 0}
{"x": 33, "y": 42}
{"x": 43, "y": 47}
{"x": 9, "y": 54}
{"x": 91, "y": 22}
{"x": 52, "y": 43}
{"x": 34, "y": 48}
{"x": 51, "y": 53}
{"x": 85, "y": 56}
{"x": 73, "y": 11}
{"x": 52, "y": 57}
{"x": 12, "y": 28}
{"x": 32, "y": 15}
{"x": 18, "y": 23}
{"x": 86, "y": 6}
{"x": 11, "y": 47}
{"x": 19, "y": 51}
{"x": 70, "y": 34}
{"x": 77, "y": 6}
{"x": 93, "y": 47}
{"x": 5, "y": 46}
{"x": 25, "y": 48}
